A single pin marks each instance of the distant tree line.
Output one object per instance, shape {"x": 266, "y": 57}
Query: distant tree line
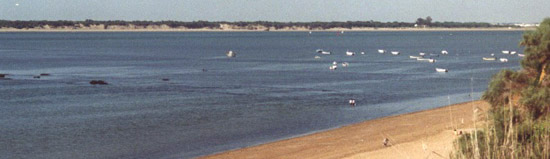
{"x": 276, "y": 25}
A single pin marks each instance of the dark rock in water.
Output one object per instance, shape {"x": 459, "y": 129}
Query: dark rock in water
{"x": 100, "y": 82}
{"x": 36, "y": 77}
{"x": 3, "y": 75}
{"x": 44, "y": 74}
{"x": 165, "y": 79}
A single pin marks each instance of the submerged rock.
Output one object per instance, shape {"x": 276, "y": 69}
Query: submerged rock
{"x": 100, "y": 82}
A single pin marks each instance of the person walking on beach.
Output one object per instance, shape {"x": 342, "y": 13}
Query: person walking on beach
{"x": 386, "y": 142}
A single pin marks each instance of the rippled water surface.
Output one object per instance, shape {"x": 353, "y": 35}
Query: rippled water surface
{"x": 273, "y": 89}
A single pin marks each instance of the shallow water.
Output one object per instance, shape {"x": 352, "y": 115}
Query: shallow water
{"x": 273, "y": 89}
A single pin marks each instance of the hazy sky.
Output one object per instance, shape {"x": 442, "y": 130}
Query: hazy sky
{"x": 278, "y": 10}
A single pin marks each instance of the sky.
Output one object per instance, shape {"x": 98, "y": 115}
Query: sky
{"x": 493, "y": 11}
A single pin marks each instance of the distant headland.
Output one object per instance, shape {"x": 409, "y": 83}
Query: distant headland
{"x": 118, "y": 25}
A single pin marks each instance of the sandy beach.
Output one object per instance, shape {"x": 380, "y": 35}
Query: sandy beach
{"x": 424, "y": 134}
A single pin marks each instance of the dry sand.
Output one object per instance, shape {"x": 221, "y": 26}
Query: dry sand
{"x": 425, "y": 134}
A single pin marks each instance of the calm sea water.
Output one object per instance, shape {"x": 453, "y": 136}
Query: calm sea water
{"x": 273, "y": 89}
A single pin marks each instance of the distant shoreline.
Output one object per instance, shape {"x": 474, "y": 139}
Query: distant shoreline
{"x": 257, "y": 30}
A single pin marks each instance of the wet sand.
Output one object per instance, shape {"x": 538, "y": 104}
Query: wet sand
{"x": 424, "y": 134}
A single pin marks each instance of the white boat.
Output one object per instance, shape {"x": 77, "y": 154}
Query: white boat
{"x": 415, "y": 57}
{"x": 421, "y": 54}
{"x": 489, "y": 58}
{"x": 381, "y": 51}
{"x": 492, "y": 54}
{"x": 231, "y": 54}
{"x": 323, "y": 52}
{"x": 513, "y": 52}
{"x": 317, "y": 57}
{"x": 335, "y": 63}
{"x": 333, "y": 67}
{"x": 521, "y": 55}
{"x": 503, "y": 59}
{"x": 424, "y": 59}
{"x": 362, "y": 53}
{"x": 345, "y": 64}
{"x": 444, "y": 52}
{"x": 441, "y": 70}
{"x": 505, "y": 52}
{"x": 395, "y": 52}
{"x": 349, "y": 53}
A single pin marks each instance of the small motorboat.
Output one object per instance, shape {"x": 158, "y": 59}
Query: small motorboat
{"x": 381, "y": 51}
{"x": 323, "y": 52}
{"x": 333, "y": 67}
{"x": 395, "y": 52}
{"x": 345, "y": 64}
{"x": 334, "y": 63}
{"x": 444, "y": 52}
{"x": 513, "y": 52}
{"x": 349, "y": 53}
{"x": 424, "y": 59}
{"x": 362, "y": 53}
{"x": 521, "y": 55}
{"x": 415, "y": 57}
{"x": 421, "y": 54}
{"x": 505, "y": 52}
{"x": 489, "y": 58}
{"x": 231, "y": 54}
{"x": 441, "y": 70}
{"x": 503, "y": 59}
{"x": 317, "y": 57}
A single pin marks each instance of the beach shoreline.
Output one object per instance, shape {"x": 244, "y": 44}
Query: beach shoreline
{"x": 411, "y": 135}
{"x": 257, "y": 30}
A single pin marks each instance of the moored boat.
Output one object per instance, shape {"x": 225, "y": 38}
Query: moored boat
{"x": 323, "y": 52}
{"x": 415, "y": 57}
{"x": 521, "y": 55}
{"x": 505, "y": 52}
{"x": 231, "y": 54}
{"x": 444, "y": 52}
{"x": 349, "y": 53}
{"x": 489, "y": 58}
{"x": 421, "y": 54}
{"x": 503, "y": 59}
{"x": 441, "y": 70}
{"x": 395, "y": 52}
{"x": 381, "y": 51}
{"x": 345, "y": 64}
